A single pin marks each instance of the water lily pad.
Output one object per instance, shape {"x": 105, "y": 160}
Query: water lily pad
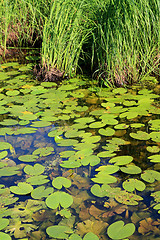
{"x": 93, "y": 160}
{"x": 137, "y": 125}
{"x": 41, "y": 192}
{"x": 155, "y": 136}
{"x": 155, "y": 158}
{"x": 107, "y": 132}
{"x": 104, "y": 178}
{"x": 128, "y": 198}
{"x": 28, "y": 158}
{"x": 59, "y": 182}
{"x": 9, "y": 122}
{"x": 37, "y": 180}
{"x": 131, "y": 185}
{"x": 106, "y": 154}
{"x": 70, "y": 164}
{"x": 3, "y": 154}
{"x": 22, "y": 188}
{"x": 140, "y": 135}
{"x": 28, "y": 116}
{"x": 5, "y": 236}
{"x": 74, "y": 236}
{"x": 12, "y": 93}
{"x": 41, "y": 124}
{"x": 97, "y": 125}
{"x": 66, "y": 154}
{"x": 118, "y": 230}
{"x": 44, "y": 151}
{"x": 90, "y": 236}
{"x": 99, "y": 191}
{"x": 3, "y": 223}
{"x": 153, "y": 149}
{"x": 8, "y": 171}
{"x": 121, "y": 126}
{"x": 131, "y": 169}
{"x": 67, "y": 142}
{"x": 37, "y": 169}
{"x": 150, "y": 176}
{"x": 59, "y": 198}
{"x": 59, "y": 232}
{"x": 121, "y": 160}
{"x": 85, "y": 120}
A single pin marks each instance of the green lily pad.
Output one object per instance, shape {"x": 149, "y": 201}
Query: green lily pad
{"x": 37, "y": 180}
{"x": 137, "y": 125}
{"x": 121, "y": 126}
{"x": 22, "y": 188}
{"x": 106, "y": 154}
{"x": 150, "y": 176}
{"x": 59, "y": 232}
{"x": 97, "y": 125}
{"x": 8, "y": 171}
{"x": 67, "y": 142}
{"x": 90, "y": 236}
{"x": 3, "y": 154}
{"x": 5, "y": 236}
{"x": 107, "y": 132}
{"x": 66, "y": 154}
{"x": 3, "y": 223}
{"x": 71, "y": 164}
{"x": 140, "y": 135}
{"x": 9, "y": 122}
{"x": 85, "y": 120}
{"x": 59, "y": 182}
{"x": 37, "y": 169}
{"x": 118, "y": 230}
{"x": 44, "y": 151}
{"x": 153, "y": 149}
{"x": 93, "y": 160}
{"x": 40, "y": 192}
{"x": 121, "y": 160}
{"x": 12, "y": 93}
{"x": 104, "y": 178}
{"x": 131, "y": 169}
{"x": 99, "y": 191}
{"x": 155, "y": 136}
{"x": 155, "y": 158}
{"x": 28, "y": 116}
{"x": 59, "y": 198}
{"x": 74, "y": 236}
{"x": 5, "y": 145}
{"x": 41, "y": 124}
{"x": 131, "y": 185}
{"x": 109, "y": 169}
{"x": 28, "y": 158}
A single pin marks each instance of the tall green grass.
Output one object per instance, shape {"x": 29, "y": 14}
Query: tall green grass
{"x": 126, "y": 39}
{"x": 119, "y": 39}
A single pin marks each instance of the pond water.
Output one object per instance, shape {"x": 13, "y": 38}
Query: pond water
{"x": 77, "y": 161}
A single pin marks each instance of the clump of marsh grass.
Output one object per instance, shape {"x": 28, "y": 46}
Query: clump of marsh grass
{"x": 64, "y": 34}
{"x": 126, "y": 40}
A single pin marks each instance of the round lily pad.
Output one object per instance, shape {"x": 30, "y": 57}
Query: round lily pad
{"x": 22, "y": 188}
{"x": 40, "y": 192}
{"x": 37, "y": 169}
{"x": 37, "y": 180}
{"x": 107, "y": 132}
{"x": 59, "y": 182}
{"x": 59, "y": 198}
{"x": 118, "y": 230}
{"x": 12, "y": 93}
{"x": 44, "y": 151}
{"x": 131, "y": 169}
{"x": 3, "y": 223}
{"x": 131, "y": 185}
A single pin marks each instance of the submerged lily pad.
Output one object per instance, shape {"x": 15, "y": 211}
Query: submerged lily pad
{"x": 37, "y": 180}
{"x": 44, "y": 151}
{"x": 118, "y": 230}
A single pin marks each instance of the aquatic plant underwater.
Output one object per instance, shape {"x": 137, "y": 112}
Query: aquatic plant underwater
{"x": 117, "y": 40}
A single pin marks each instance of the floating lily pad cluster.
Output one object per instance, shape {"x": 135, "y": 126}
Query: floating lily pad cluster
{"x": 108, "y": 150}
